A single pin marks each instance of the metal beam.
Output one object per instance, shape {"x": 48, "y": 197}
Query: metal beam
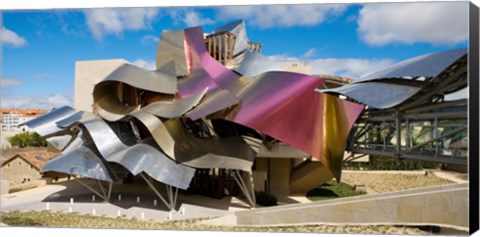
{"x": 438, "y": 138}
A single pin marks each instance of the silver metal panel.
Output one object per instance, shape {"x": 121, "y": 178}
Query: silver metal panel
{"x": 104, "y": 138}
{"x": 224, "y": 152}
{"x": 163, "y": 81}
{"x": 376, "y": 94}
{"x": 171, "y": 48}
{"x": 145, "y": 158}
{"x": 46, "y": 124}
{"x": 158, "y": 130}
{"x": 74, "y": 118}
{"x": 106, "y": 93}
{"x": 81, "y": 161}
{"x": 214, "y": 102}
{"x": 252, "y": 63}
{"x": 76, "y": 143}
{"x": 430, "y": 65}
{"x": 107, "y": 101}
{"x": 60, "y": 142}
{"x": 176, "y": 108}
{"x": 209, "y": 161}
{"x": 237, "y": 28}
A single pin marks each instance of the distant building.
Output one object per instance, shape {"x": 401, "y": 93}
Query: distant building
{"x": 25, "y": 168}
{"x": 11, "y": 118}
{"x": 10, "y": 121}
{"x": 87, "y": 75}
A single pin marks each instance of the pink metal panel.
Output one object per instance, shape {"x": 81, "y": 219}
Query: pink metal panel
{"x": 285, "y": 106}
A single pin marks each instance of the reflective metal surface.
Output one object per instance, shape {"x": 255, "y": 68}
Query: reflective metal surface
{"x": 215, "y": 152}
{"x": 74, "y": 118}
{"x": 237, "y": 28}
{"x": 387, "y": 95}
{"x": 176, "y": 108}
{"x": 252, "y": 63}
{"x": 60, "y": 142}
{"x": 83, "y": 162}
{"x": 46, "y": 124}
{"x": 430, "y": 65}
{"x": 145, "y": 158}
{"x": 214, "y": 102}
{"x": 104, "y": 138}
{"x": 206, "y": 71}
{"x": 171, "y": 49}
{"x": 162, "y": 134}
{"x": 158, "y": 131}
{"x": 109, "y": 93}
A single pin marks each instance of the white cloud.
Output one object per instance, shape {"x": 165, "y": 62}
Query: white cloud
{"x": 310, "y": 53}
{"x": 190, "y": 18}
{"x": 354, "y": 68}
{"x": 9, "y": 82}
{"x": 268, "y": 16}
{"x": 148, "y": 65}
{"x": 37, "y": 102}
{"x": 147, "y": 39}
{"x": 8, "y": 37}
{"x": 114, "y": 21}
{"x": 430, "y": 22}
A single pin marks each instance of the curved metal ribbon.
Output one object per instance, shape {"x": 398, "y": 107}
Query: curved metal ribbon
{"x": 83, "y": 162}
{"x": 46, "y": 124}
{"x": 214, "y": 152}
{"x": 145, "y": 158}
{"x": 387, "y": 95}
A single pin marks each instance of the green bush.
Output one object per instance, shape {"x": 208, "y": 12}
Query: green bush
{"x": 265, "y": 199}
{"x": 332, "y": 190}
{"x": 25, "y": 139}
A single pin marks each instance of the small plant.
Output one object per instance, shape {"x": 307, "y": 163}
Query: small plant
{"x": 265, "y": 199}
{"x": 331, "y": 190}
{"x": 18, "y": 189}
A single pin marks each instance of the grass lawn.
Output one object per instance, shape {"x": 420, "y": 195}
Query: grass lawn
{"x": 331, "y": 190}
{"x": 74, "y": 220}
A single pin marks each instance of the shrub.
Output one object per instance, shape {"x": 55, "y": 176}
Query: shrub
{"x": 25, "y": 139}
{"x": 265, "y": 199}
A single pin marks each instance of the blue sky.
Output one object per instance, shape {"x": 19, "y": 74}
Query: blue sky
{"x": 40, "y": 47}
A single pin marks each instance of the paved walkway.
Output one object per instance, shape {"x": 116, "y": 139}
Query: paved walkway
{"x": 136, "y": 201}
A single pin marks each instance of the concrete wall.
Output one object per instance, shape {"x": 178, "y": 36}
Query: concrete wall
{"x": 18, "y": 171}
{"x": 279, "y": 177}
{"x": 438, "y": 205}
{"x": 4, "y": 187}
{"x": 87, "y": 75}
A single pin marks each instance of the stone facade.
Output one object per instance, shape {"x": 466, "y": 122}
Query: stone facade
{"x": 25, "y": 168}
{"x": 20, "y": 171}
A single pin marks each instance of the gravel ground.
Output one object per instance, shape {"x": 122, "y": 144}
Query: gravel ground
{"x": 390, "y": 181}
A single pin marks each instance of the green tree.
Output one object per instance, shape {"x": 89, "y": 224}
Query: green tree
{"x": 25, "y": 139}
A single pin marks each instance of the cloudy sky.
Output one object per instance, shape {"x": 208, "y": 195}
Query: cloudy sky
{"x": 40, "y": 47}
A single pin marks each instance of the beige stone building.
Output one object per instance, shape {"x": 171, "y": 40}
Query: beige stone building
{"x": 25, "y": 168}
{"x": 87, "y": 75}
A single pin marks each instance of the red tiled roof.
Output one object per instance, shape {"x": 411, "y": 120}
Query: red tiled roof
{"x": 35, "y": 158}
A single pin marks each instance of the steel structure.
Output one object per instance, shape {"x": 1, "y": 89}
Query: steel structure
{"x": 215, "y": 102}
{"x": 416, "y": 109}
{"x": 197, "y": 110}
